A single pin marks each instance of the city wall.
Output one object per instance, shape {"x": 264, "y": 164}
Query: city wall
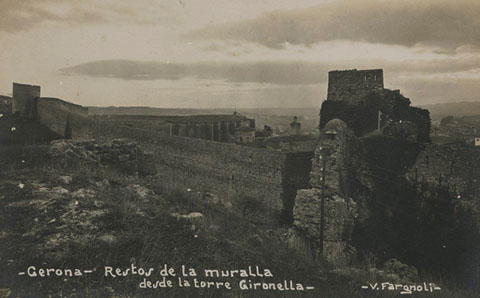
{"x": 54, "y": 112}
{"x": 455, "y": 166}
{"x": 228, "y": 170}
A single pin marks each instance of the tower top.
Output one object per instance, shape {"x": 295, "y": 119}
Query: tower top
{"x": 353, "y": 85}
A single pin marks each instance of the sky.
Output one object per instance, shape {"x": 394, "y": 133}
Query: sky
{"x": 237, "y": 53}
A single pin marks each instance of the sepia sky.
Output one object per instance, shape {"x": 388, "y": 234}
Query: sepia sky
{"x": 237, "y": 53}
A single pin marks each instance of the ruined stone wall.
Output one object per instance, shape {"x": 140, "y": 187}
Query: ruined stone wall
{"x": 228, "y": 170}
{"x": 363, "y": 118}
{"x": 455, "y": 166}
{"x": 121, "y": 154}
{"x": 354, "y": 85}
{"x": 339, "y": 222}
{"x": 339, "y": 168}
{"x": 53, "y": 113}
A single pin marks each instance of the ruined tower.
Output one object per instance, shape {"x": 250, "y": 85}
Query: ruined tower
{"x": 354, "y": 85}
{"x": 23, "y": 99}
{"x": 359, "y": 98}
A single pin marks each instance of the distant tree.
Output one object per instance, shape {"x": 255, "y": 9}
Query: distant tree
{"x": 68, "y": 129}
{"x": 267, "y": 130}
{"x": 447, "y": 120}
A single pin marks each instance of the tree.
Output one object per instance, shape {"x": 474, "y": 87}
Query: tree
{"x": 447, "y": 120}
{"x": 68, "y": 129}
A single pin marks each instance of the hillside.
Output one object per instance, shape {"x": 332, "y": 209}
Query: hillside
{"x": 76, "y": 213}
{"x": 94, "y": 110}
{"x": 438, "y": 111}
{"x": 14, "y": 130}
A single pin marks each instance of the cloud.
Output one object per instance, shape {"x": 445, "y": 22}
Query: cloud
{"x": 437, "y": 80}
{"x": 275, "y": 72}
{"x": 18, "y": 16}
{"x": 438, "y": 23}
{"x": 22, "y": 15}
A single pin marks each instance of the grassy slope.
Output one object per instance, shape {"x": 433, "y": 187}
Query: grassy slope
{"x": 16, "y": 131}
{"x": 101, "y": 218}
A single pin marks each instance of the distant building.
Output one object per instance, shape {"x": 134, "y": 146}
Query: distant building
{"x": 234, "y": 128}
{"x": 295, "y": 126}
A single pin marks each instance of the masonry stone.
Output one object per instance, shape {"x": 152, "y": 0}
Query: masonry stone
{"x": 338, "y": 173}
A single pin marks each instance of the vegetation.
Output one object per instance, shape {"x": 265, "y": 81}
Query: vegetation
{"x": 422, "y": 225}
{"x": 101, "y": 217}
{"x": 447, "y": 120}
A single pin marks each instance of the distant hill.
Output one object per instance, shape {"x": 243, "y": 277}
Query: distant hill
{"x": 455, "y": 109}
{"x": 310, "y": 112}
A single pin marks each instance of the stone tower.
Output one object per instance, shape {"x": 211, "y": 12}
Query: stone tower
{"x": 24, "y": 99}
{"x": 354, "y": 85}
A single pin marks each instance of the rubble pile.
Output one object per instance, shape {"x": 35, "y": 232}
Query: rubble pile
{"x": 122, "y": 154}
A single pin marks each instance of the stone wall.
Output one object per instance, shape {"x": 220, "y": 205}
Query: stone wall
{"x": 339, "y": 174}
{"x": 455, "y": 166}
{"x": 339, "y": 222}
{"x": 363, "y": 117}
{"x": 354, "y": 85}
{"x": 54, "y": 112}
{"x": 454, "y": 169}
{"x": 225, "y": 169}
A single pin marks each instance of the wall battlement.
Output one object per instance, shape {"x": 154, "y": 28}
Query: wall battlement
{"x": 354, "y": 85}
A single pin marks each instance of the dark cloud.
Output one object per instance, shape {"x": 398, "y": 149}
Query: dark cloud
{"x": 423, "y": 81}
{"x": 439, "y": 23}
{"x": 428, "y": 91}
{"x": 285, "y": 73}
{"x": 22, "y": 15}
{"x": 275, "y": 72}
